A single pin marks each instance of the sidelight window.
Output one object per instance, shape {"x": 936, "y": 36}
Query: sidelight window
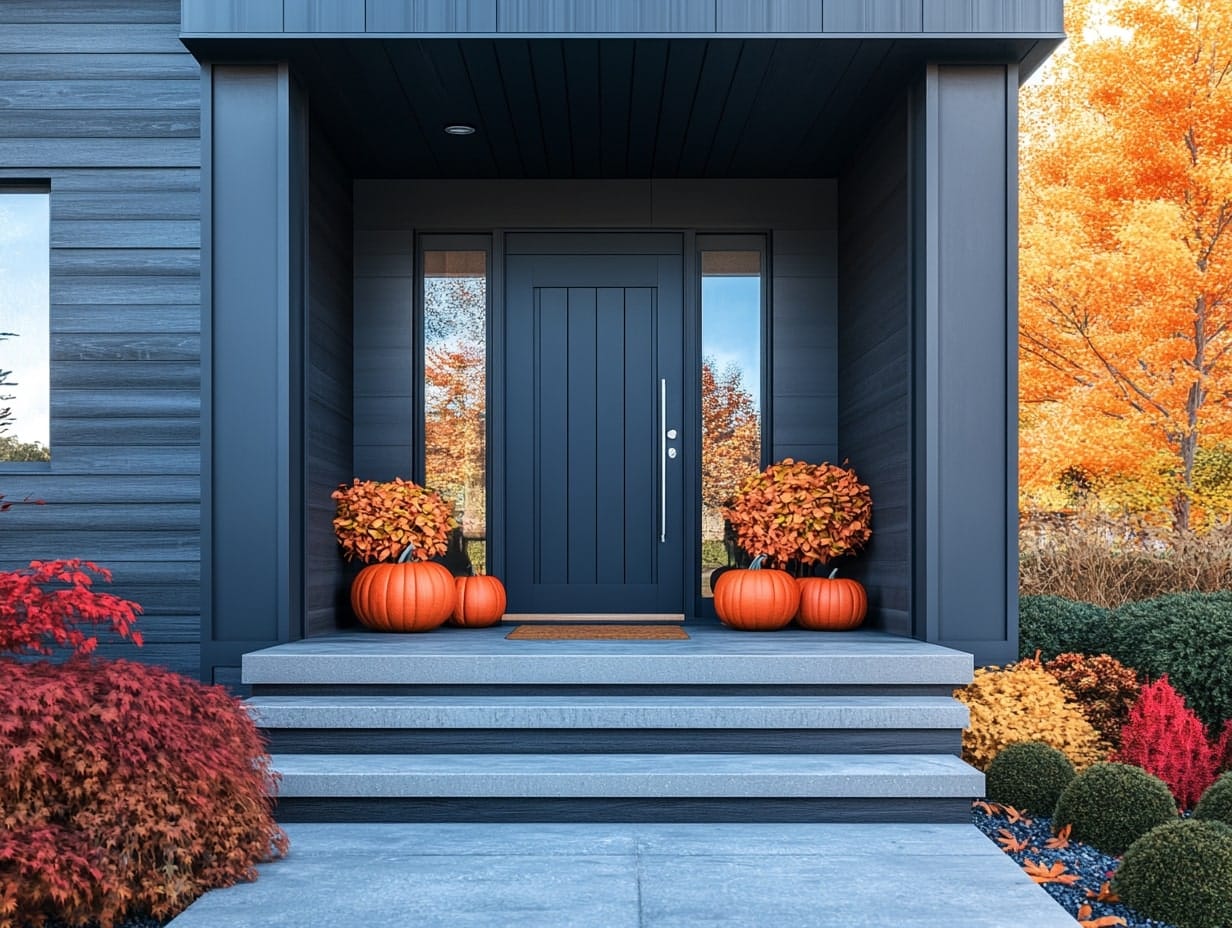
{"x": 731, "y": 386}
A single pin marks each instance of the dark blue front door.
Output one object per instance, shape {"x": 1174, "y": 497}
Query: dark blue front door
{"x": 594, "y": 431}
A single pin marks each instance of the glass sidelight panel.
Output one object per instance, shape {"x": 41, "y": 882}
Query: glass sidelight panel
{"x": 455, "y": 329}
{"x": 731, "y": 379}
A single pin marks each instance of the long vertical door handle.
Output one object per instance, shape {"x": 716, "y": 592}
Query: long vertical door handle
{"x": 663, "y": 461}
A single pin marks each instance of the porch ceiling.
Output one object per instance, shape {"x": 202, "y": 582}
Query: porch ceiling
{"x": 606, "y": 107}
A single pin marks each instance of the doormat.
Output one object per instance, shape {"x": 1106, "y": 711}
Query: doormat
{"x": 598, "y": 633}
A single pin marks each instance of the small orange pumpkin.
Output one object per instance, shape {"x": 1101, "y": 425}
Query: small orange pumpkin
{"x": 830, "y": 604}
{"x": 404, "y": 597}
{"x": 480, "y": 601}
{"x": 757, "y": 599}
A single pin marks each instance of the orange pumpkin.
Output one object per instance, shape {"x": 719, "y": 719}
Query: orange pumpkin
{"x": 757, "y": 599}
{"x": 480, "y": 601}
{"x": 829, "y": 604}
{"x": 412, "y": 596}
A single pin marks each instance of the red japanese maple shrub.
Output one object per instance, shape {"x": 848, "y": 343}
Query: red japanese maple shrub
{"x": 44, "y": 605}
{"x": 1164, "y": 737}
{"x": 1223, "y": 749}
{"x": 124, "y": 789}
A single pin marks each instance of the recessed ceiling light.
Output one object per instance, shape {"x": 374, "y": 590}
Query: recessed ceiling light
{"x": 460, "y": 128}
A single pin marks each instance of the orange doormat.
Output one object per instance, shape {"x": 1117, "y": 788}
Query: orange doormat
{"x": 597, "y": 633}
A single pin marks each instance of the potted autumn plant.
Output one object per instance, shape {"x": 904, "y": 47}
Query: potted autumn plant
{"x": 794, "y": 515}
{"x": 395, "y": 527}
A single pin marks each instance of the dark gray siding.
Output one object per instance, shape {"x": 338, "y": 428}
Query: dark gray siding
{"x": 117, "y": 135}
{"x": 330, "y": 424}
{"x": 874, "y": 342}
{"x": 964, "y": 189}
{"x": 800, "y": 215}
{"x": 629, "y": 17}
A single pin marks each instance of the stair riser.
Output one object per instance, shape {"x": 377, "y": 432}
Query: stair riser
{"x": 694, "y": 690}
{"x": 922, "y": 810}
{"x": 613, "y": 741}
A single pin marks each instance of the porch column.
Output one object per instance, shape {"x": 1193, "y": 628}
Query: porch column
{"x": 252, "y": 391}
{"x": 964, "y": 359}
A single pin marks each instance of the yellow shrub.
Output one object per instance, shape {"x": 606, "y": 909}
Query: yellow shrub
{"x": 1024, "y": 702}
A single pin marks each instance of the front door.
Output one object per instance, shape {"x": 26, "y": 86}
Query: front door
{"x": 594, "y": 425}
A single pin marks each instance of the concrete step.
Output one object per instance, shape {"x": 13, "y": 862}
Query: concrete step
{"x": 784, "y": 662}
{"x": 610, "y": 724}
{"x": 625, "y": 787}
{"x": 853, "y": 712}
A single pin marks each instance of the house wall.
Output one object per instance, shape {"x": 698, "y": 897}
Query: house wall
{"x": 330, "y": 425}
{"x": 102, "y": 101}
{"x": 874, "y": 414}
{"x": 800, "y": 215}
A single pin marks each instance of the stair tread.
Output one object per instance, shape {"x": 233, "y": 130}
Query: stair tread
{"x": 617, "y": 775}
{"x": 711, "y": 656}
{"x": 651, "y": 711}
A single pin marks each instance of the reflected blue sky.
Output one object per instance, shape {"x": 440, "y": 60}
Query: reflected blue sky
{"x": 24, "y": 299}
{"x": 731, "y": 326}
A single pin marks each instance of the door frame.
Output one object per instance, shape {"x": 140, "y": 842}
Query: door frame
{"x": 493, "y": 241}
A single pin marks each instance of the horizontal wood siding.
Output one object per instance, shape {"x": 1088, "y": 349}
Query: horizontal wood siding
{"x": 98, "y": 98}
{"x": 874, "y": 341}
{"x": 330, "y": 421}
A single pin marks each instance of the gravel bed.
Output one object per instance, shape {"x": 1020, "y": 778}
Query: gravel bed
{"x": 1093, "y": 867}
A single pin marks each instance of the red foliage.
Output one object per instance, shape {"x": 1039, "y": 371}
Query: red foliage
{"x": 124, "y": 789}
{"x": 1164, "y": 737}
{"x": 1103, "y": 686}
{"x": 1223, "y": 749}
{"x": 43, "y": 604}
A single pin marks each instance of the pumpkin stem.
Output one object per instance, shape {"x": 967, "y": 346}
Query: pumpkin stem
{"x": 755, "y": 564}
{"x": 406, "y": 554}
{"x": 834, "y": 573}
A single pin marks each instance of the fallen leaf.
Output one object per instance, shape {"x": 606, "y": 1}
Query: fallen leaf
{"x": 1015, "y": 816}
{"x": 1054, "y": 874}
{"x": 1105, "y": 894}
{"x": 1010, "y": 843}
{"x": 1061, "y": 841}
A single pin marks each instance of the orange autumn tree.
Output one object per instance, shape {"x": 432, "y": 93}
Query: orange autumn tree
{"x": 1126, "y": 255}
{"x": 731, "y": 441}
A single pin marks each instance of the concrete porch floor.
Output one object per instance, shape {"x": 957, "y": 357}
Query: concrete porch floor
{"x": 633, "y": 876}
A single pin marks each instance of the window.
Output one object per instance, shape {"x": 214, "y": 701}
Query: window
{"x": 731, "y": 378}
{"x": 455, "y": 329}
{"x": 25, "y": 334}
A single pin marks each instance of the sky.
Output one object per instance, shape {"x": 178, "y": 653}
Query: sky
{"x": 24, "y": 302}
{"x": 731, "y": 326}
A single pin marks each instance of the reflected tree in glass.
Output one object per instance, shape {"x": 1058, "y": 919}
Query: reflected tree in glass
{"x": 455, "y": 389}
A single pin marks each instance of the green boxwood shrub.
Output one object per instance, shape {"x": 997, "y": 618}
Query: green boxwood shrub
{"x": 1180, "y": 873}
{"x": 1187, "y": 636}
{"x": 1110, "y": 806}
{"x": 1216, "y": 802}
{"x": 1053, "y": 625}
{"x": 1030, "y": 776}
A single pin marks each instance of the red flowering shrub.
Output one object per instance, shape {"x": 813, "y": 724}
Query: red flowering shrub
{"x": 124, "y": 789}
{"x": 1164, "y": 737}
{"x": 1103, "y": 686}
{"x": 43, "y": 604}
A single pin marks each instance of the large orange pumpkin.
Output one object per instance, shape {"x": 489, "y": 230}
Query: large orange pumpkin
{"x": 831, "y": 604}
{"x": 480, "y": 601}
{"x": 757, "y": 599}
{"x": 414, "y": 596}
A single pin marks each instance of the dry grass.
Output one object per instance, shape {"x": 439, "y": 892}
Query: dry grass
{"x": 1109, "y": 561}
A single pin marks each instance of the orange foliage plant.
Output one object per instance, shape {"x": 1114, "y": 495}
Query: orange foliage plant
{"x": 1126, "y": 256}
{"x": 798, "y": 512}
{"x": 377, "y": 521}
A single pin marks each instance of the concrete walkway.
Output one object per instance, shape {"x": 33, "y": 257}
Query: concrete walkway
{"x": 639, "y": 876}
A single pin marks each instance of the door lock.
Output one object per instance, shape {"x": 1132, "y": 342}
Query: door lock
{"x": 671, "y": 433}
{"x": 671, "y": 453}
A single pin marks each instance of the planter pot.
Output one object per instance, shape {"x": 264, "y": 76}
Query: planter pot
{"x": 413, "y": 596}
{"x": 756, "y": 599}
{"x": 830, "y": 604}
{"x": 479, "y": 602}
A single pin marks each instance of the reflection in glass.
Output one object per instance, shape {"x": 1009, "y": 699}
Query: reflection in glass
{"x": 455, "y": 301}
{"x": 731, "y": 392}
{"x": 25, "y": 335}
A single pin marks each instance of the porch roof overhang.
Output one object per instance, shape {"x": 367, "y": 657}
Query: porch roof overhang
{"x": 609, "y": 106}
